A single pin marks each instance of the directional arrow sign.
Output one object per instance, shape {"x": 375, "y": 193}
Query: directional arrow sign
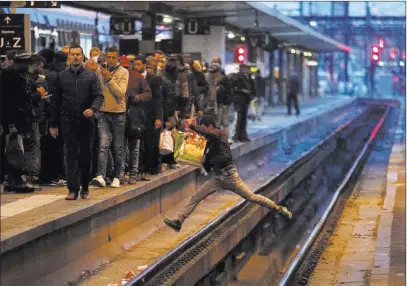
{"x": 14, "y": 32}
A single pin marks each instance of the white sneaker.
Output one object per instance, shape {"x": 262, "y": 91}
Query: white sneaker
{"x": 99, "y": 181}
{"x": 115, "y": 183}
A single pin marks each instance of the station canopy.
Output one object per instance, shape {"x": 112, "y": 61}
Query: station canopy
{"x": 254, "y": 17}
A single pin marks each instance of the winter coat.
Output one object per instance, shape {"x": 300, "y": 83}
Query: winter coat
{"x": 114, "y": 91}
{"x": 155, "y": 107}
{"x": 201, "y": 83}
{"x": 187, "y": 92}
{"x": 40, "y": 106}
{"x": 75, "y": 92}
{"x": 242, "y": 89}
{"x": 16, "y": 107}
{"x": 294, "y": 84}
{"x": 169, "y": 99}
{"x": 139, "y": 94}
{"x": 223, "y": 92}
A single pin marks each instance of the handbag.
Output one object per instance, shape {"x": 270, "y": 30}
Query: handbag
{"x": 166, "y": 143}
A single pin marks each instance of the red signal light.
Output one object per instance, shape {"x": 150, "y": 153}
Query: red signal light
{"x": 375, "y": 56}
{"x": 241, "y": 54}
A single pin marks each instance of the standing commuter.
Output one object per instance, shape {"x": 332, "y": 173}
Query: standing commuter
{"x": 112, "y": 118}
{"x": 78, "y": 96}
{"x": 294, "y": 88}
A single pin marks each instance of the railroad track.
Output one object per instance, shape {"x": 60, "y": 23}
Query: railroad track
{"x": 180, "y": 265}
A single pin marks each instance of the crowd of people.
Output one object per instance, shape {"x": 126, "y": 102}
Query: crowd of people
{"x": 78, "y": 121}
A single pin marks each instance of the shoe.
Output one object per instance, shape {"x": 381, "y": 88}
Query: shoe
{"x": 174, "y": 224}
{"x": 246, "y": 139}
{"x": 173, "y": 166}
{"x": 84, "y": 193}
{"x": 132, "y": 180}
{"x": 143, "y": 177}
{"x": 71, "y": 196}
{"x": 115, "y": 183}
{"x": 99, "y": 181}
{"x": 284, "y": 211}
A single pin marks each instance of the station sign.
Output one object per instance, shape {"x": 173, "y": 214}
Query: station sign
{"x": 197, "y": 26}
{"x": 15, "y": 33}
{"x": 122, "y": 25}
{"x": 30, "y": 4}
{"x": 43, "y": 4}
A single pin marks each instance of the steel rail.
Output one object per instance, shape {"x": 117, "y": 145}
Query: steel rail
{"x": 288, "y": 275}
{"x": 163, "y": 261}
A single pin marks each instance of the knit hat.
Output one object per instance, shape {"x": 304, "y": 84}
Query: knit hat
{"x": 197, "y": 66}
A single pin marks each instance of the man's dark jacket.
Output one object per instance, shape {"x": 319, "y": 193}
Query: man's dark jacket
{"x": 16, "y": 106}
{"x": 242, "y": 89}
{"x": 139, "y": 95}
{"x": 154, "y": 108}
{"x": 40, "y": 106}
{"x": 52, "y": 75}
{"x": 75, "y": 92}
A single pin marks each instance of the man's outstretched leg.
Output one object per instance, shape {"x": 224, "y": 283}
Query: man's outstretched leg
{"x": 234, "y": 183}
{"x": 208, "y": 188}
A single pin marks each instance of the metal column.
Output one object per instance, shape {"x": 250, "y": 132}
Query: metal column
{"x": 281, "y": 99}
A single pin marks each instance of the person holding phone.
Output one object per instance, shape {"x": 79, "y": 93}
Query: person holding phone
{"x": 112, "y": 117}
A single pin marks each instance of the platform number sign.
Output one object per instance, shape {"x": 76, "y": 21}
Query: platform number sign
{"x": 197, "y": 26}
{"x": 13, "y": 32}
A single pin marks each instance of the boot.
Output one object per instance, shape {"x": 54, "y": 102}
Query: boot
{"x": 72, "y": 196}
{"x": 84, "y": 193}
{"x": 174, "y": 224}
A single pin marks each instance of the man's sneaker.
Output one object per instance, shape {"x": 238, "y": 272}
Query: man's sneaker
{"x": 174, "y": 224}
{"x": 285, "y": 211}
{"x": 115, "y": 183}
{"x": 99, "y": 181}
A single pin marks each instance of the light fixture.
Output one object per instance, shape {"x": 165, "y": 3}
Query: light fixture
{"x": 313, "y": 23}
{"x": 241, "y": 58}
{"x": 242, "y": 39}
{"x": 292, "y": 51}
{"x": 380, "y": 64}
{"x": 312, "y": 63}
{"x": 241, "y": 50}
{"x": 298, "y": 52}
{"x": 231, "y": 35}
{"x": 401, "y": 64}
{"x": 167, "y": 20}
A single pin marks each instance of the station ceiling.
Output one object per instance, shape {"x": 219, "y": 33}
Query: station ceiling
{"x": 248, "y": 16}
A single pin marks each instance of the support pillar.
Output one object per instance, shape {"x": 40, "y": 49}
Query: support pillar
{"x": 271, "y": 81}
{"x": 210, "y": 46}
{"x": 301, "y": 73}
{"x": 280, "y": 77}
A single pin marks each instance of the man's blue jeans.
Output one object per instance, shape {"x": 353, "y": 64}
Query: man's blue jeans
{"x": 111, "y": 128}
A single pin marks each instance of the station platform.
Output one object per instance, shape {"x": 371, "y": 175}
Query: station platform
{"x": 89, "y": 242}
{"x": 368, "y": 245}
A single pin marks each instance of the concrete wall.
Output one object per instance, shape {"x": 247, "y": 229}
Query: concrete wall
{"x": 213, "y": 45}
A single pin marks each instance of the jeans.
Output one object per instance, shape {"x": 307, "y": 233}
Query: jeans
{"x": 111, "y": 133}
{"x": 32, "y": 151}
{"x": 134, "y": 156}
{"x": 228, "y": 180}
{"x": 223, "y": 118}
{"x": 78, "y": 135}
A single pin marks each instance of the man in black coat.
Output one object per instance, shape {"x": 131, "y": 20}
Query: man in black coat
{"x": 18, "y": 117}
{"x": 154, "y": 115}
{"x": 294, "y": 89}
{"x": 243, "y": 93}
{"x": 78, "y": 96}
{"x": 39, "y": 103}
{"x": 52, "y": 155}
